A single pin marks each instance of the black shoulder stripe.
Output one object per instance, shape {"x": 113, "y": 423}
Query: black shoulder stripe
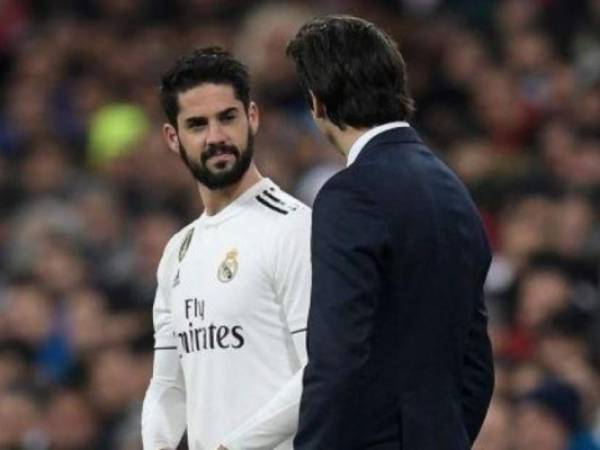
{"x": 298, "y": 331}
{"x": 271, "y": 206}
{"x": 280, "y": 202}
{"x": 165, "y": 348}
{"x": 272, "y": 197}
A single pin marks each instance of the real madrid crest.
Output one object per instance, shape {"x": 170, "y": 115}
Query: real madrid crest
{"x": 228, "y": 267}
{"x": 185, "y": 244}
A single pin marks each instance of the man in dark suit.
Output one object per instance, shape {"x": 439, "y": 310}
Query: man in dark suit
{"x": 399, "y": 356}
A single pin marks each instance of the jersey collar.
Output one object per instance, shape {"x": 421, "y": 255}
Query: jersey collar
{"x": 237, "y": 205}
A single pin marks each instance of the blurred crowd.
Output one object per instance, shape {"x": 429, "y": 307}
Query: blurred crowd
{"x": 507, "y": 92}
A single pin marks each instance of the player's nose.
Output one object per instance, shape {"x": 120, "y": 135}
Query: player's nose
{"x": 215, "y": 134}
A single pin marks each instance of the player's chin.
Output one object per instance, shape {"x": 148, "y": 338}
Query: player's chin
{"x": 221, "y": 167}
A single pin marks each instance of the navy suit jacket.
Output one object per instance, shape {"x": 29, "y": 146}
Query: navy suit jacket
{"x": 399, "y": 356}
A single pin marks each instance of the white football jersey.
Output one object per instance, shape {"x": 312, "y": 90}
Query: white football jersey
{"x": 233, "y": 290}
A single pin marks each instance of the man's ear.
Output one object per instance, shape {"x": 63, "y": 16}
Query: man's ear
{"x": 318, "y": 109}
{"x": 253, "y": 117}
{"x": 171, "y": 137}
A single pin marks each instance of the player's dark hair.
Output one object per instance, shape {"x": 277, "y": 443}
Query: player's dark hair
{"x": 354, "y": 69}
{"x": 205, "y": 65}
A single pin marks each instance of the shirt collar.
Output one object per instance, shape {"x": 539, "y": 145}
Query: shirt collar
{"x": 236, "y": 205}
{"x": 364, "y": 138}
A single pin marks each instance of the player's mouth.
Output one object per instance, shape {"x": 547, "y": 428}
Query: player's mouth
{"x": 221, "y": 154}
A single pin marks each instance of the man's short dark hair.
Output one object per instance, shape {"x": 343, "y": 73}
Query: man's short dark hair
{"x": 354, "y": 69}
{"x": 205, "y": 65}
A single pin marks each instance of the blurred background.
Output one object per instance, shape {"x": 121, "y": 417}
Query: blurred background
{"x": 507, "y": 92}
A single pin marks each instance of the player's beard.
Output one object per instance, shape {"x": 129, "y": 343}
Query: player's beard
{"x": 221, "y": 179}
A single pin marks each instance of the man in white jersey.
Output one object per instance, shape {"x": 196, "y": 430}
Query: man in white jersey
{"x": 234, "y": 285}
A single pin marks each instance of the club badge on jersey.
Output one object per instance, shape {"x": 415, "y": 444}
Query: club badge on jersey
{"x": 228, "y": 267}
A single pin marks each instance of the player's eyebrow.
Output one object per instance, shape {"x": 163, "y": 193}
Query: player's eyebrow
{"x": 227, "y": 112}
{"x": 201, "y": 120}
{"x": 195, "y": 120}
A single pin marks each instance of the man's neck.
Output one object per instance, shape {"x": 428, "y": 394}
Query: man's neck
{"x": 344, "y": 139}
{"x": 218, "y": 199}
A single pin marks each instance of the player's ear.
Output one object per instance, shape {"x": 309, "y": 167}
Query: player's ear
{"x": 171, "y": 137}
{"x": 253, "y": 117}
{"x": 317, "y": 107}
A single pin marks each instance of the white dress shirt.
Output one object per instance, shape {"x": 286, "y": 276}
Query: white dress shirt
{"x": 364, "y": 138}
